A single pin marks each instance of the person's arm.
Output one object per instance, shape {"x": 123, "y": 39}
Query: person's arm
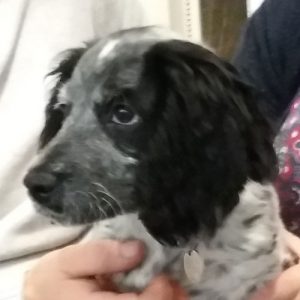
{"x": 83, "y": 271}
{"x": 287, "y": 285}
{"x": 268, "y": 55}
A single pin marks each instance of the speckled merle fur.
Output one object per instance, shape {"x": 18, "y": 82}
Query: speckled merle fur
{"x": 181, "y": 168}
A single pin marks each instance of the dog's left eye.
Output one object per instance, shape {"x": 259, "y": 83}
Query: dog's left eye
{"x": 123, "y": 115}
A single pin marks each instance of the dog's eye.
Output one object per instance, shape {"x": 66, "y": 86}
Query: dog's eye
{"x": 62, "y": 108}
{"x": 123, "y": 115}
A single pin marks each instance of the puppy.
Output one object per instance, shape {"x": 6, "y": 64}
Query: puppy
{"x": 151, "y": 137}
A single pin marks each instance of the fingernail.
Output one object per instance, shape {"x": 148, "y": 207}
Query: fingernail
{"x": 130, "y": 249}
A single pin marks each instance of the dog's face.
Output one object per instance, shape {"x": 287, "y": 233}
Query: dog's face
{"x": 140, "y": 123}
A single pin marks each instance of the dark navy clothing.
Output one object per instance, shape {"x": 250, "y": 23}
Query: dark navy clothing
{"x": 268, "y": 55}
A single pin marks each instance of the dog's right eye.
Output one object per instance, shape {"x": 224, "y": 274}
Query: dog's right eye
{"x": 62, "y": 108}
{"x": 123, "y": 115}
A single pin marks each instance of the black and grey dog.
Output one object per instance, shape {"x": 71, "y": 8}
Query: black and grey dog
{"x": 160, "y": 140}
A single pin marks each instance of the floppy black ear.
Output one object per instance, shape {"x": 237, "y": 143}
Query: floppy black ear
{"x": 63, "y": 72}
{"x": 210, "y": 139}
{"x": 212, "y": 93}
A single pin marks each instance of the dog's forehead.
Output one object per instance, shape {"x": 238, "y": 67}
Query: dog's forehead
{"x": 132, "y": 41}
{"x": 122, "y": 50}
{"x": 115, "y": 62}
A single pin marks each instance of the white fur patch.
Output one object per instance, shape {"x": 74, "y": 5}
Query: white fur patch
{"x": 62, "y": 97}
{"x": 108, "y": 48}
{"x": 246, "y": 251}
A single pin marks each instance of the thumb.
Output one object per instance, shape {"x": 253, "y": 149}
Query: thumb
{"x": 98, "y": 258}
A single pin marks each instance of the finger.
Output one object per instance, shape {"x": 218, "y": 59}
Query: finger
{"x": 293, "y": 242}
{"x": 286, "y": 286}
{"x": 102, "y": 257}
{"x": 105, "y": 283}
{"x": 159, "y": 289}
{"x": 163, "y": 288}
{"x": 263, "y": 294}
{"x": 112, "y": 296}
{"x": 180, "y": 293}
{"x": 79, "y": 290}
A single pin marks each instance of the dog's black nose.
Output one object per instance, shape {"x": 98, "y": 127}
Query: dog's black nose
{"x": 40, "y": 185}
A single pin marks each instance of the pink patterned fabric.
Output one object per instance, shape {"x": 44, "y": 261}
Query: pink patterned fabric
{"x": 287, "y": 146}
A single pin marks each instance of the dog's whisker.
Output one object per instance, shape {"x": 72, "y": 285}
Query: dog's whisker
{"x": 119, "y": 207}
{"x": 94, "y": 205}
{"x": 93, "y": 196}
{"x": 101, "y": 210}
{"x": 101, "y": 186}
{"x": 90, "y": 204}
{"x": 104, "y": 190}
{"x": 110, "y": 205}
{"x": 106, "y": 201}
{"x": 97, "y": 204}
{"x": 97, "y": 200}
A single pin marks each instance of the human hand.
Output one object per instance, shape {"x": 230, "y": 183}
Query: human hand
{"x": 287, "y": 285}
{"x": 83, "y": 272}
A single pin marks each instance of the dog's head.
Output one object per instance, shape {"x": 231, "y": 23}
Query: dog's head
{"x": 141, "y": 123}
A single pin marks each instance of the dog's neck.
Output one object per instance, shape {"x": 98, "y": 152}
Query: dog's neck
{"x": 244, "y": 231}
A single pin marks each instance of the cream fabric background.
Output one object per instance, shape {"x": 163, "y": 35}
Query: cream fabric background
{"x": 253, "y": 5}
{"x": 32, "y": 33}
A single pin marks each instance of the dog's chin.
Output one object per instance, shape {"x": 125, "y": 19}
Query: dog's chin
{"x": 69, "y": 219}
